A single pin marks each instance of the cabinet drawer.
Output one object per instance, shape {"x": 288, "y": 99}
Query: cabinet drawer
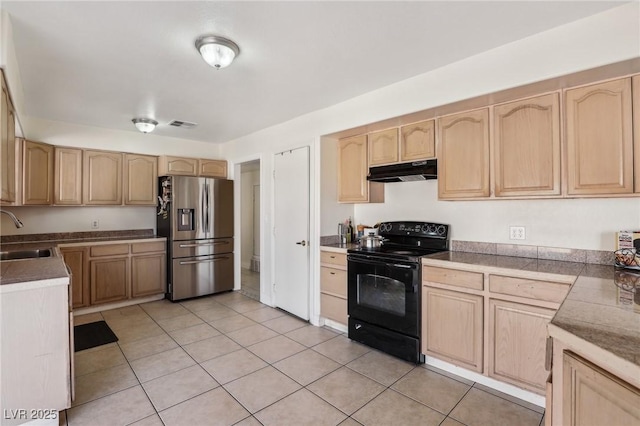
{"x": 531, "y": 289}
{"x": 333, "y": 258}
{"x": 473, "y": 280}
{"x": 333, "y": 281}
{"x": 109, "y": 250}
{"x": 333, "y": 308}
{"x": 148, "y": 247}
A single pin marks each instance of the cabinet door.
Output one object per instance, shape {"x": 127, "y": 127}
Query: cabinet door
{"x": 177, "y": 166}
{"x": 352, "y": 170}
{"x": 383, "y": 147}
{"x": 527, "y": 147}
{"x": 37, "y": 173}
{"x": 102, "y": 178}
{"x": 636, "y": 131}
{"x": 592, "y": 396}
{"x": 148, "y": 274}
{"x": 599, "y": 139}
{"x": 452, "y": 327}
{"x": 67, "y": 177}
{"x": 76, "y": 259}
{"x": 7, "y": 146}
{"x": 417, "y": 141}
{"x": 140, "y": 179}
{"x": 517, "y": 344}
{"x": 212, "y": 168}
{"x": 109, "y": 279}
{"x": 463, "y": 171}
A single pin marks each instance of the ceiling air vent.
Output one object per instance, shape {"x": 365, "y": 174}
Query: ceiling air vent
{"x": 185, "y": 124}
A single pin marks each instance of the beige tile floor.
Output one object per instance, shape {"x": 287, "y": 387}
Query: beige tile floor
{"x": 229, "y": 360}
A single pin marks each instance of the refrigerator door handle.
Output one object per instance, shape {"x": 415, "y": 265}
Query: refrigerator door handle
{"x": 208, "y": 243}
{"x": 191, "y": 262}
{"x": 208, "y": 205}
{"x": 202, "y": 211}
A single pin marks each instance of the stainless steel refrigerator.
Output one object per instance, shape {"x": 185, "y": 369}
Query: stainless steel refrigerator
{"x": 196, "y": 216}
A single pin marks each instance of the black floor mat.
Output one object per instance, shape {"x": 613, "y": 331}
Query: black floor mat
{"x": 90, "y": 335}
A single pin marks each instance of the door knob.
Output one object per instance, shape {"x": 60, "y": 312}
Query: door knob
{"x": 302, "y": 243}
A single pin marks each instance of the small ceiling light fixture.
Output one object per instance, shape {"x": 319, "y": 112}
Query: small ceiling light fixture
{"x": 145, "y": 125}
{"x": 218, "y": 52}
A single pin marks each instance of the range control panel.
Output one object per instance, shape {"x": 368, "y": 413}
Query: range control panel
{"x": 414, "y": 229}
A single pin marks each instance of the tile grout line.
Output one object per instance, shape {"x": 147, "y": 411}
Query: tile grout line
{"x": 508, "y": 400}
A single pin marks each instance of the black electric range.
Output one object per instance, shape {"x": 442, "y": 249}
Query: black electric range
{"x": 384, "y": 287}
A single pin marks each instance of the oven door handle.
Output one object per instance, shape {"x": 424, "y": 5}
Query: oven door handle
{"x": 381, "y": 262}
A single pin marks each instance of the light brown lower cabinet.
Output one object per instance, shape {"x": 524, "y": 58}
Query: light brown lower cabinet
{"x": 148, "y": 274}
{"x": 593, "y": 396}
{"x": 107, "y": 273}
{"x": 517, "y": 344}
{"x": 76, "y": 259}
{"x": 110, "y": 279}
{"x": 452, "y": 327}
{"x": 333, "y": 286}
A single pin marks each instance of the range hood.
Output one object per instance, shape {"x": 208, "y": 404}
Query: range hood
{"x": 404, "y": 172}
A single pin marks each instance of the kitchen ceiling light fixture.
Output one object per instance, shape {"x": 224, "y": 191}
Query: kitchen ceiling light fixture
{"x": 218, "y": 52}
{"x": 145, "y": 125}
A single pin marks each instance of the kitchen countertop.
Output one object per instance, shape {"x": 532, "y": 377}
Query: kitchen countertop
{"x": 339, "y": 247}
{"x": 595, "y": 310}
{"x": 18, "y": 275}
{"x": 21, "y": 274}
{"x": 28, "y": 245}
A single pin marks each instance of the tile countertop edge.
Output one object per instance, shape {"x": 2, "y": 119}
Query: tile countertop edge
{"x": 602, "y": 357}
{"x": 114, "y": 241}
{"x": 338, "y": 248}
{"x": 33, "y": 285}
{"x": 522, "y": 270}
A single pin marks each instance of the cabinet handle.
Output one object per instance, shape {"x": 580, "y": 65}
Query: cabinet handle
{"x": 333, "y": 257}
{"x": 332, "y": 273}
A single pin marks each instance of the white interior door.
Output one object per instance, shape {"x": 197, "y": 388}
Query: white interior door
{"x": 291, "y": 188}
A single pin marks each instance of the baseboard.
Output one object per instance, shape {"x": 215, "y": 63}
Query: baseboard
{"x": 117, "y": 305}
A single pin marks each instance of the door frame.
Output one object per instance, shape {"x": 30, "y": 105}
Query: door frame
{"x": 237, "y": 205}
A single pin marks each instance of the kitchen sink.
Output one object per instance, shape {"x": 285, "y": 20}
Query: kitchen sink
{"x": 25, "y": 254}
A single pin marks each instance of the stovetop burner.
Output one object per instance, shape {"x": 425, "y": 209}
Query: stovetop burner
{"x": 408, "y": 240}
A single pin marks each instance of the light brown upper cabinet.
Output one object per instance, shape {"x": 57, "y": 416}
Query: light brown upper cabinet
{"x": 635, "y": 83}
{"x": 599, "y": 139}
{"x": 67, "y": 190}
{"x": 140, "y": 179}
{"x": 383, "y": 147}
{"x": 417, "y": 141}
{"x": 463, "y": 155}
{"x": 37, "y": 173}
{"x": 7, "y": 146}
{"x": 526, "y": 147}
{"x": 102, "y": 178}
{"x": 353, "y": 186}
{"x": 212, "y": 168}
{"x": 177, "y": 166}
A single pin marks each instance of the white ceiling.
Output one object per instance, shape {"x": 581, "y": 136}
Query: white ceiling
{"x": 103, "y": 63}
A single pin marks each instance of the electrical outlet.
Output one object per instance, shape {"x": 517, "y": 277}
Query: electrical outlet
{"x": 517, "y": 233}
{"x": 95, "y": 224}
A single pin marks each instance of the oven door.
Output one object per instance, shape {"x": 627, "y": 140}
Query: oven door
{"x": 385, "y": 292}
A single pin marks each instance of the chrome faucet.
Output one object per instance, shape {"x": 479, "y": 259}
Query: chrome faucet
{"x": 13, "y": 217}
